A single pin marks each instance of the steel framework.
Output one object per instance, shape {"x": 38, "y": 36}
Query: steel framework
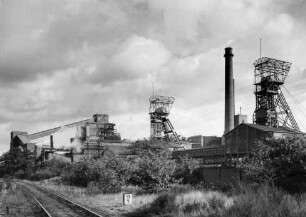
{"x": 271, "y": 107}
{"x": 161, "y": 127}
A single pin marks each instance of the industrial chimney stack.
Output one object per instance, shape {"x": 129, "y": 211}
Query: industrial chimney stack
{"x": 229, "y": 91}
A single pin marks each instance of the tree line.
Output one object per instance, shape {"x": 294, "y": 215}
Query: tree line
{"x": 280, "y": 162}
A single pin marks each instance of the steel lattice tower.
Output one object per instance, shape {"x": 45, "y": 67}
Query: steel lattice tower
{"x": 271, "y": 107}
{"x": 161, "y": 127}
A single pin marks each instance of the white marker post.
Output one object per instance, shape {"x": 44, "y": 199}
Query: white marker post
{"x": 127, "y": 199}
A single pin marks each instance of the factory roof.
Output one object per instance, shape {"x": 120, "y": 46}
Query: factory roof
{"x": 268, "y": 129}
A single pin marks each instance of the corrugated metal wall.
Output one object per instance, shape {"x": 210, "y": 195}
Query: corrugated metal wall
{"x": 241, "y": 140}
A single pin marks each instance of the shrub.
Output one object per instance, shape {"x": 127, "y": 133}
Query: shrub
{"x": 76, "y": 175}
{"x": 185, "y": 167}
{"x": 193, "y": 203}
{"x": 279, "y": 161}
{"x": 152, "y": 168}
{"x": 106, "y": 174}
{"x": 198, "y": 203}
{"x": 265, "y": 200}
{"x": 49, "y": 170}
{"x": 16, "y": 161}
{"x": 41, "y": 175}
{"x": 132, "y": 189}
{"x": 56, "y": 167}
{"x": 20, "y": 174}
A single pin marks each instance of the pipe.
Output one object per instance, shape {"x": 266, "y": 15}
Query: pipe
{"x": 71, "y": 156}
{"x": 51, "y": 141}
{"x": 229, "y": 91}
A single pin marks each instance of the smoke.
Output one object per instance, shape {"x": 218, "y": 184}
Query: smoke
{"x": 76, "y": 145}
{"x": 230, "y": 42}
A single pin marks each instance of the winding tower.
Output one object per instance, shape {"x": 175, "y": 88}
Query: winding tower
{"x": 272, "y": 108}
{"x": 161, "y": 127}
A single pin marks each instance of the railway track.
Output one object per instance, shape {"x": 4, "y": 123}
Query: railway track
{"x": 53, "y": 205}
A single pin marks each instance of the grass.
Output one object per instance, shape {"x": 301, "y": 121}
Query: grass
{"x": 184, "y": 201}
{"x": 13, "y": 197}
{"x": 265, "y": 200}
{"x": 106, "y": 204}
{"x": 198, "y": 203}
{"x": 194, "y": 203}
{"x": 245, "y": 201}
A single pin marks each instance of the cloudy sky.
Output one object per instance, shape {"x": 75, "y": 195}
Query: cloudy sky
{"x": 64, "y": 60}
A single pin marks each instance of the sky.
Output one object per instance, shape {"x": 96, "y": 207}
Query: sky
{"x": 64, "y": 60}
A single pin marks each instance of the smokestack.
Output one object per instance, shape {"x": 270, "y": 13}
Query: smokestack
{"x": 51, "y": 141}
{"x": 229, "y": 91}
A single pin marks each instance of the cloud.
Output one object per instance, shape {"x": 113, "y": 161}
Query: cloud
{"x": 136, "y": 57}
{"x": 140, "y": 55}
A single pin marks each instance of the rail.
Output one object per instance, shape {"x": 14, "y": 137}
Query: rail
{"x": 41, "y": 206}
{"x": 68, "y": 203}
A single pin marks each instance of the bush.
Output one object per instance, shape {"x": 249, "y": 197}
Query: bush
{"x": 76, "y": 174}
{"x": 106, "y": 174}
{"x": 41, "y": 175}
{"x": 152, "y": 168}
{"x": 52, "y": 168}
{"x": 56, "y": 167}
{"x": 265, "y": 200}
{"x": 18, "y": 161}
{"x": 193, "y": 203}
{"x": 20, "y": 174}
{"x": 279, "y": 161}
{"x": 185, "y": 167}
{"x": 132, "y": 189}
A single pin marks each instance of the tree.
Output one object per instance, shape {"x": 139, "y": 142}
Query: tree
{"x": 19, "y": 162}
{"x": 185, "y": 167}
{"x": 279, "y": 161}
{"x": 106, "y": 174}
{"x": 152, "y": 168}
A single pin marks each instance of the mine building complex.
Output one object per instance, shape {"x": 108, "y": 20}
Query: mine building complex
{"x": 272, "y": 118}
{"x": 94, "y": 137}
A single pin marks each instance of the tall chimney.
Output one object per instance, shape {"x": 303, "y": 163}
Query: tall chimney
{"x": 229, "y": 91}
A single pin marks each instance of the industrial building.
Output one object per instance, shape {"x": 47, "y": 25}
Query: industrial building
{"x": 239, "y": 119}
{"x": 20, "y": 140}
{"x": 272, "y": 118}
{"x": 200, "y": 141}
{"x": 93, "y": 137}
{"x": 240, "y": 140}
